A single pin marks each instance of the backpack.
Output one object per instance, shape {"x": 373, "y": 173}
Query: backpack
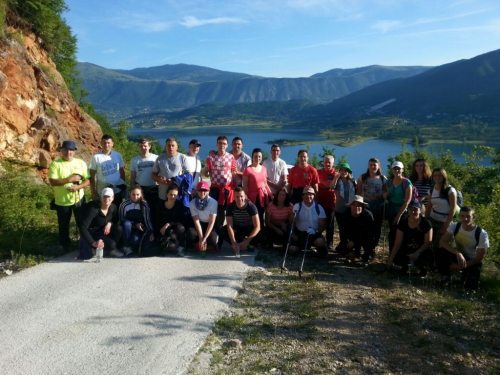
{"x": 414, "y": 191}
{"x": 460, "y": 198}
{"x": 316, "y": 206}
{"x": 477, "y": 232}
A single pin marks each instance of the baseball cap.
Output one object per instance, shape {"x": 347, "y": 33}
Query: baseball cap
{"x": 397, "y": 164}
{"x": 107, "y": 192}
{"x": 195, "y": 142}
{"x": 202, "y": 185}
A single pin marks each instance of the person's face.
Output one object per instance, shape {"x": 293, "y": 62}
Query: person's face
{"x": 396, "y": 171}
{"x": 414, "y": 212}
{"x": 328, "y": 163}
{"x": 419, "y": 166}
{"x": 171, "y": 148}
{"x": 257, "y": 158}
{"x": 373, "y": 166}
{"x": 239, "y": 197}
{"x": 221, "y": 145}
{"x": 107, "y": 200}
{"x": 303, "y": 158}
{"x": 437, "y": 177}
{"x": 275, "y": 153}
{"x": 144, "y": 147}
{"x": 172, "y": 195}
{"x": 135, "y": 195}
{"x": 107, "y": 145}
{"x": 466, "y": 218}
{"x": 356, "y": 209}
{"x": 343, "y": 172}
{"x": 194, "y": 149}
{"x": 281, "y": 196}
{"x": 308, "y": 198}
{"x": 237, "y": 146}
{"x": 202, "y": 193}
{"x": 67, "y": 154}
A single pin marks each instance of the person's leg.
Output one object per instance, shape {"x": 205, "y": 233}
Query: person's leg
{"x": 437, "y": 226}
{"x": 340, "y": 217}
{"x": 329, "y": 227}
{"x": 63, "y": 219}
{"x": 180, "y": 234}
{"x": 320, "y": 244}
{"x": 377, "y": 225}
{"x": 471, "y": 275}
{"x": 127, "y": 227}
{"x": 223, "y": 236}
{"x": 444, "y": 260}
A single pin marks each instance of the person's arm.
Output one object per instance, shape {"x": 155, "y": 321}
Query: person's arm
{"x": 93, "y": 184}
{"x": 322, "y": 225}
{"x": 64, "y": 181}
{"x": 283, "y": 181}
{"x": 395, "y": 248}
{"x": 211, "y": 223}
{"x": 451, "y": 214}
{"x": 255, "y": 231}
{"x": 230, "y": 232}
{"x": 445, "y": 244}
{"x": 133, "y": 175}
{"x": 245, "y": 184}
{"x": 478, "y": 259}
{"x": 359, "y": 186}
{"x": 428, "y": 207}
{"x": 405, "y": 204}
{"x": 122, "y": 173}
{"x": 85, "y": 225}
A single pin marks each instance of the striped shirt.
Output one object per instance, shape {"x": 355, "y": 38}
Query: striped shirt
{"x": 278, "y": 216}
{"x": 242, "y": 217}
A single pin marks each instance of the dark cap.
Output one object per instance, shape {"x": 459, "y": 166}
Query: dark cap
{"x": 70, "y": 145}
{"x": 415, "y": 204}
{"x": 195, "y": 142}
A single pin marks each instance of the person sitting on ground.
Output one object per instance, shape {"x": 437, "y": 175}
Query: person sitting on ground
{"x": 101, "y": 223}
{"x": 243, "y": 228}
{"x": 136, "y": 222}
{"x": 360, "y": 230}
{"x": 279, "y": 217}
{"x": 326, "y": 196}
{"x": 310, "y": 223}
{"x": 171, "y": 230}
{"x": 468, "y": 255}
{"x": 300, "y": 176}
{"x": 345, "y": 188}
{"x": 371, "y": 186}
{"x": 441, "y": 205}
{"x": 203, "y": 209}
{"x": 413, "y": 241}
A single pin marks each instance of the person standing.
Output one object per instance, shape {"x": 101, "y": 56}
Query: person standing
{"x": 220, "y": 168}
{"x": 194, "y": 164}
{"x": 141, "y": 167}
{"x": 242, "y": 160}
{"x": 167, "y": 166}
{"x": 277, "y": 172}
{"x": 69, "y": 176}
{"x": 345, "y": 188}
{"x": 107, "y": 170}
{"x": 302, "y": 175}
{"x": 326, "y": 196}
{"x": 255, "y": 183}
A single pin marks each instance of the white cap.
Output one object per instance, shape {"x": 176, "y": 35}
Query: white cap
{"x": 107, "y": 192}
{"x": 398, "y": 164}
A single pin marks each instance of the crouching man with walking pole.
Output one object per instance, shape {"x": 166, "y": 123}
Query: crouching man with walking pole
{"x": 309, "y": 224}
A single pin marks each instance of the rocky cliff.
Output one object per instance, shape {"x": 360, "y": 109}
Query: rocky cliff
{"x": 37, "y": 112}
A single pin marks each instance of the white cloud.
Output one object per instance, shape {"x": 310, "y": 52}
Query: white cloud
{"x": 175, "y": 56}
{"x": 146, "y": 23}
{"x": 190, "y": 21}
{"x": 108, "y": 51}
{"x": 385, "y": 26}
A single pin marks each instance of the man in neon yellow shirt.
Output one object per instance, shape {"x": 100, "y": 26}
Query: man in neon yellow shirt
{"x": 69, "y": 176}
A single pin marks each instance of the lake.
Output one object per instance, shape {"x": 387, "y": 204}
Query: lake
{"x": 357, "y": 156}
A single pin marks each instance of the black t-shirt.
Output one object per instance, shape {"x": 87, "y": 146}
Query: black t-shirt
{"x": 95, "y": 220}
{"x": 172, "y": 215}
{"x": 413, "y": 238}
{"x": 242, "y": 217}
{"x": 359, "y": 229}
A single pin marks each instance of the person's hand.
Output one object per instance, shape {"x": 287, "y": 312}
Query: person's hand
{"x": 151, "y": 237}
{"x": 461, "y": 260}
{"x": 140, "y": 227}
{"x": 396, "y": 219}
{"x": 72, "y": 188}
{"x": 444, "y": 229}
{"x": 385, "y": 195}
{"x": 163, "y": 229}
{"x": 236, "y": 247}
{"x": 74, "y": 178}
{"x": 163, "y": 181}
{"x": 244, "y": 244}
{"x": 311, "y": 231}
{"x": 107, "y": 229}
{"x": 202, "y": 244}
{"x": 414, "y": 257}
{"x": 350, "y": 245}
{"x": 294, "y": 237}
{"x": 279, "y": 232}
{"x": 234, "y": 169}
{"x": 99, "y": 243}
{"x": 389, "y": 263}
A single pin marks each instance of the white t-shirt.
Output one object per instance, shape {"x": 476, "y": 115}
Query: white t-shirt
{"x": 241, "y": 163}
{"x": 440, "y": 206}
{"x": 194, "y": 165}
{"x": 143, "y": 168}
{"x": 107, "y": 169}
{"x": 308, "y": 217}
{"x": 204, "y": 215}
{"x": 169, "y": 167}
{"x": 275, "y": 170}
{"x": 466, "y": 241}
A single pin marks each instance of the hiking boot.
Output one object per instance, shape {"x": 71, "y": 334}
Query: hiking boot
{"x": 366, "y": 263}
{"x": 180, "y": 251}
{"x": 127, "y": 251}
{"x": 116, "y": 253}
{"x": 445, "y": 281}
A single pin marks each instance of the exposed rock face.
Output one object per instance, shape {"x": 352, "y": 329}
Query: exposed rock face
{"x": 37, "y": 113}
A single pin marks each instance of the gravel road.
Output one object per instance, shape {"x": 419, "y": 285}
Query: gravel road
{"x": 122, "y": 316}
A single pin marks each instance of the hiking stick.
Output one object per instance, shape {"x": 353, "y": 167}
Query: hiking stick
{"x": 283, "y": 268}
{"x": 304, "y": 257}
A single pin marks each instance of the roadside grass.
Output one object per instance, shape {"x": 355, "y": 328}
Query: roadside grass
{"x": 341, "y": 318}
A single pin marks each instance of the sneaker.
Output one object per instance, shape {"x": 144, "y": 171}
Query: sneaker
{"x": 127, "y": 251}
{"x": 366, "y": 263}
{"x": 116, "y": 253}
{"x": 445, "y": 281}
{"x": 330, "y": 246}
{"x": 180, "y": 251}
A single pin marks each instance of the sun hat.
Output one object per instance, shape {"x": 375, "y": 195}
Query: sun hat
{"x": 345, "y": 166}
{"x": 398, "y": 164}
{"x": 202, "y": 185}
{"x": 308, "y": 190}
{"x": 107, "y": 192}
{"x": 70, "y": 145}
{"x": 357, "y": 198}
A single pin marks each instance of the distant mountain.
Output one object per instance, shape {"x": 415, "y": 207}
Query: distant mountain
{"x": 184, "y": 86}
{"x": 378, "y": 72}
{"x": 182, "y": 73}
{"x": 463, "y": 87}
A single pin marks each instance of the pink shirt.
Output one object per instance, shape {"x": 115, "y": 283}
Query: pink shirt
{"x": 257, "y": 185}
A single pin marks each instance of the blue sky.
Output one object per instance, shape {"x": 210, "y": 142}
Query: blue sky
{"x": 282, "y": 38}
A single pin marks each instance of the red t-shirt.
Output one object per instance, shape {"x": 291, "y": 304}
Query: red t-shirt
{"x": 302, "y": 177}
{"x": 221, "y": 169}
{"x": 326, "y": 197}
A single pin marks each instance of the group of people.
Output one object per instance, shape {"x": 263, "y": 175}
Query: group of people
{"x": 250, "y": 203}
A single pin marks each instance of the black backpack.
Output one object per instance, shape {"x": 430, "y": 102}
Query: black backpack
{"x": 477, "y": 232}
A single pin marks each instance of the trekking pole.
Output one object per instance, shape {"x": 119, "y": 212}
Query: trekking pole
{"x": 283, "y": 268}
{"x": 304, "y": 257}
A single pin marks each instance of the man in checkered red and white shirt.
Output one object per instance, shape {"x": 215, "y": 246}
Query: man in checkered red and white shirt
{"x": 220, "y": 168}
